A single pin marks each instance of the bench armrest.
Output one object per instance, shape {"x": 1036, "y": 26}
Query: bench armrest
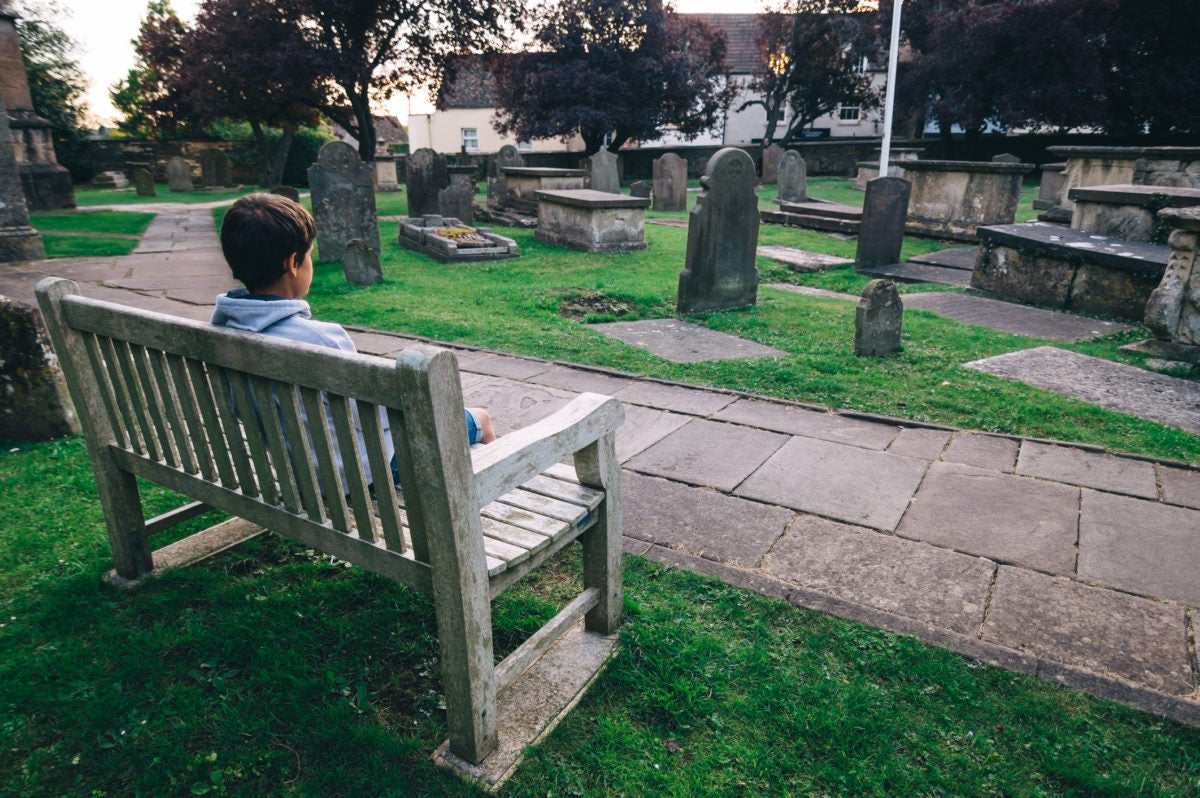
{"x": 520, "y": 456}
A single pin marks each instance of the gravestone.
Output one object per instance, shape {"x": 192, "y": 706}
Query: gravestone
{"x": 110, "y": 180}
{"x": 427, "y": 175}
{"x": 881, "y": 232}
{"x": 36, "y": 404}
{"x": 1005, "y": 157}
{"x": 878, "y": 320}
{"x": 291, "y": 192}
{"x": 640, "y": 189}
{"x": 18, "y": 240}
{"x": 722, "y": 244}
{"x": 342, "y": 189}
{"x": 670, "y": 183}
{"x": 509, "y": 156}
{"x": 386, "y": 178}
{"x": 179, "y": 175}
{"x": 771, "y": 157}
{"x": 143, "y": 180}
{"x": 456, "y": 202}
{"x": 215, "y": 169}
{"x": 603, "y": 168}
{"x": 792, "y": 179}
{"x": 360, "y": 264}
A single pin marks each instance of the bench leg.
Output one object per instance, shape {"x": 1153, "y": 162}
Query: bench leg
{"x": 124, "y": 518}
{"x": 468, "y": 672}
{"x": 597, "y": 467}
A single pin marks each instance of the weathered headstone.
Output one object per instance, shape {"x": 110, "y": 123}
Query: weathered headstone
{"x": 792, "y": 179}
{"x": 640, "y": 189}
{"x": 215, "y": 169}
{"x": 385, "y": 172}
{"x": 881, "y": 232}
{"x": 110, "y": 179}
{"x": 509, "y": 156}
{"x": 342, "y": 189}
{"x": 360, "y": 264}
{"x": 722, "y": 245}
{"x": 36, "y": 405}
{"x": 670, "y": 183}
{"x": 179, "y": 175}
{"x": 456, "y": 202}
{"x": 1005, "y": 157}
{"x": 143, "y": 180}
{"x": 427, "y": 175}
{"x": 291, "y": 192}
{"x": 771, "y": 157}
{"x": 603, "y": 168}
{"x": 878, "y": 320}
{"x": 18, "y": 240}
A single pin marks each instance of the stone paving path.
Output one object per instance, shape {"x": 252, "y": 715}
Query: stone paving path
{"x": 1062, "y": 561}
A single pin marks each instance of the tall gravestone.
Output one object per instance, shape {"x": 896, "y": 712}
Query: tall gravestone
{"x": 456, "y": 202}
{"x": 342, "y": 190}
{"x": 427, "y": 175}
{"x": 18, "y": 240}
{"x": 360, "y": 264}
{"x": 215, "y": 169}
{"x": 771, "y": 157}
{"x": 791, "y": 183}
{"x": 881, "y": 231}
{"x": 670, "y": 183}
{"x": 878, "y": 320}
{"x": 143, "y": 180}
{"x": 36, "y": 404}
{"x": 179, "y": 175}
{"x": 722, "y": 244}
{"x": 604, "y": 174}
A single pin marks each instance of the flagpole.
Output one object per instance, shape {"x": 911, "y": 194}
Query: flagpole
{"x": 890, "y": 96}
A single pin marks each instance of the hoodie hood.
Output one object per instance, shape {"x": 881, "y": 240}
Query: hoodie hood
{"x": 238, "y": 310}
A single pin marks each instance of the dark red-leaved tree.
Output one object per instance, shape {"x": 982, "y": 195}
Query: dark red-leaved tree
{"x": 619, "y": 68}
{"x": 370, "y": 48}
{"x": 143, "y": 96}
{"x": 811, "y": 63}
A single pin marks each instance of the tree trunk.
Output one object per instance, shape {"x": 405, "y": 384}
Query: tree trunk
{"x": 366, "y": 125}
{"x": 265, "y": 165}
{"x": 282, "y": 149}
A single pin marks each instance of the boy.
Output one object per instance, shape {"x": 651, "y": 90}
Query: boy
{"x": 267, "y": 240}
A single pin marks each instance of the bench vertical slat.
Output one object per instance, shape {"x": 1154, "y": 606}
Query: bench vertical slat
{"x": 123, "y": 393}
{"x": 108, "y": 391}
{"x": 212, "y": 423}
{"x": 414, "y": 518}
{"x": 381, "y": 479}
{"x": 344, "y": 428}
{"x": 301, "y": 461}
{"x": 154, "y": 401}
{"x": 191, "y": 413}
{"x": 597, "y": 467}
{"x": 221, "y": 385}
{"x": 318, "y": 429}
{"x": 254, "y": 473}
{"x": 172, "y": 410}
{"x": 137, "y": 401}
{"x": 265, "y": 394}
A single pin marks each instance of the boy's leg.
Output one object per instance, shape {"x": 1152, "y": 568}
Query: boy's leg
{"x": 479, "y": 426}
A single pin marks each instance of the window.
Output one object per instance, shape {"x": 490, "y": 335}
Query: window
{"x": 848, "y": 114}
{"x": 470, "y": 139}
{"x": 525, "y": 146}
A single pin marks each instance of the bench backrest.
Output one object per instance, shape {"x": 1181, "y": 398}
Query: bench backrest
{"x": 187, "y": 405}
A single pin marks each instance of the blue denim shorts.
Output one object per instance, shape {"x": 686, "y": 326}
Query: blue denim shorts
{"x": 474, "y": 431}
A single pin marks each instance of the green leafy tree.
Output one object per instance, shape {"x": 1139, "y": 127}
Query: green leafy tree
{"x": 142, "y": 97}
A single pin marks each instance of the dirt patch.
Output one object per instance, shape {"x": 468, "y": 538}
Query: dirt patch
{"x": 592, "y": 304}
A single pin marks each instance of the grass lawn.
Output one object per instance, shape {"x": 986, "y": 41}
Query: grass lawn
{"x": 271, "y": 670}
{"x": 68, "y": 234}
{"x": 85, "y": 196}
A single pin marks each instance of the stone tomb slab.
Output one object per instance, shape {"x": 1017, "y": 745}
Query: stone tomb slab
{"x": 700, "y": 522}
{"x": 800, "y": 260}
{"x": 1009, "y": 519}
{"x": 838, "y": 481}
{"x": 682, "y": 342}
{"x": 709, "y": 453}
{"x": 1127, "y": 389}
{"x": 1012, "y": 318}
{"x": 911, "y": 272}
{"x": 1057, "y": 619}
{"x": 903, "y": 577}
{"x": 591, "y": 221}
{"x": 950, "y": 258}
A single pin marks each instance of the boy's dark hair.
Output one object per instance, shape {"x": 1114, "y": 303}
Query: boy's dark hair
{"x": 260, "y": 232}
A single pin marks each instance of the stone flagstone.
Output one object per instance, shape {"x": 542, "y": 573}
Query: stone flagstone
{"x": 801, "y": 260}
{"x": 682, "y": 341}
{"x": 688, "y": 455}
{"x": 1089, "y": 469}
{"x": 793, "y": 420}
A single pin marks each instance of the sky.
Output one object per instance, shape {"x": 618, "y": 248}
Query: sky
{"x": 104, "y": 29}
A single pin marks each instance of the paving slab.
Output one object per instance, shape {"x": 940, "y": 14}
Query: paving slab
{"x": 1089, "y": 469}
{"x": 1156, "y": 397}
{"x": 374, "y": 343}
{"x": 167, "y": 279}
{"x": 926, "y": 444}
{"x": 807, "y": 290}
{"x": 899, "y": 576}
{"x": 708, "y": 453}
{"x": 1010, "y": 519}
{"x": 1010, "y": 317}
{"x": 582, "y": 380}
{"x": 809, "y": 423}
{"x": 982, "y": 451}
{"x": 1101, "y": 630}
{"x": 920, "y": 273}
{"x": 516, "y": 368}
{"x": 801, "y": 260}
{"x": 839, "y": 481}
{"x": 675, "y": 397}
{"x": 1180, "y": 486}
{"x": 683, "y": 342}
{"x": 950, "y": 258}
{"x": 513, "y": 404}
{"x": 1144, "y": 547}
{"x": 700, "y": 521}
{"x": 644, "y": 427}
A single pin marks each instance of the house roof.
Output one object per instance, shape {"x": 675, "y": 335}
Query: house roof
{"x": 741, "y": 39}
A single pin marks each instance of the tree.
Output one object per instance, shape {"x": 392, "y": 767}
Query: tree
{"x": 629, "y": 69}
{"x": 812, "y": 54}
{"x": 143, "y": 96}
{"x": 56, "y": 83}
{"x": 369, "y": 48}
{"x": 247, "y": 60}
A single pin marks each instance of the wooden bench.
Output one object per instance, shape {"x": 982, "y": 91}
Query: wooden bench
{"x": 181, "y": 404}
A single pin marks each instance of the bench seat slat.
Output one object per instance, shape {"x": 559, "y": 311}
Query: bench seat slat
{"x": 569, "y": 492}
{"x": 551, "y": 528}
{"x": 544, "y": 505}
{"x": 531, "y": 541}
